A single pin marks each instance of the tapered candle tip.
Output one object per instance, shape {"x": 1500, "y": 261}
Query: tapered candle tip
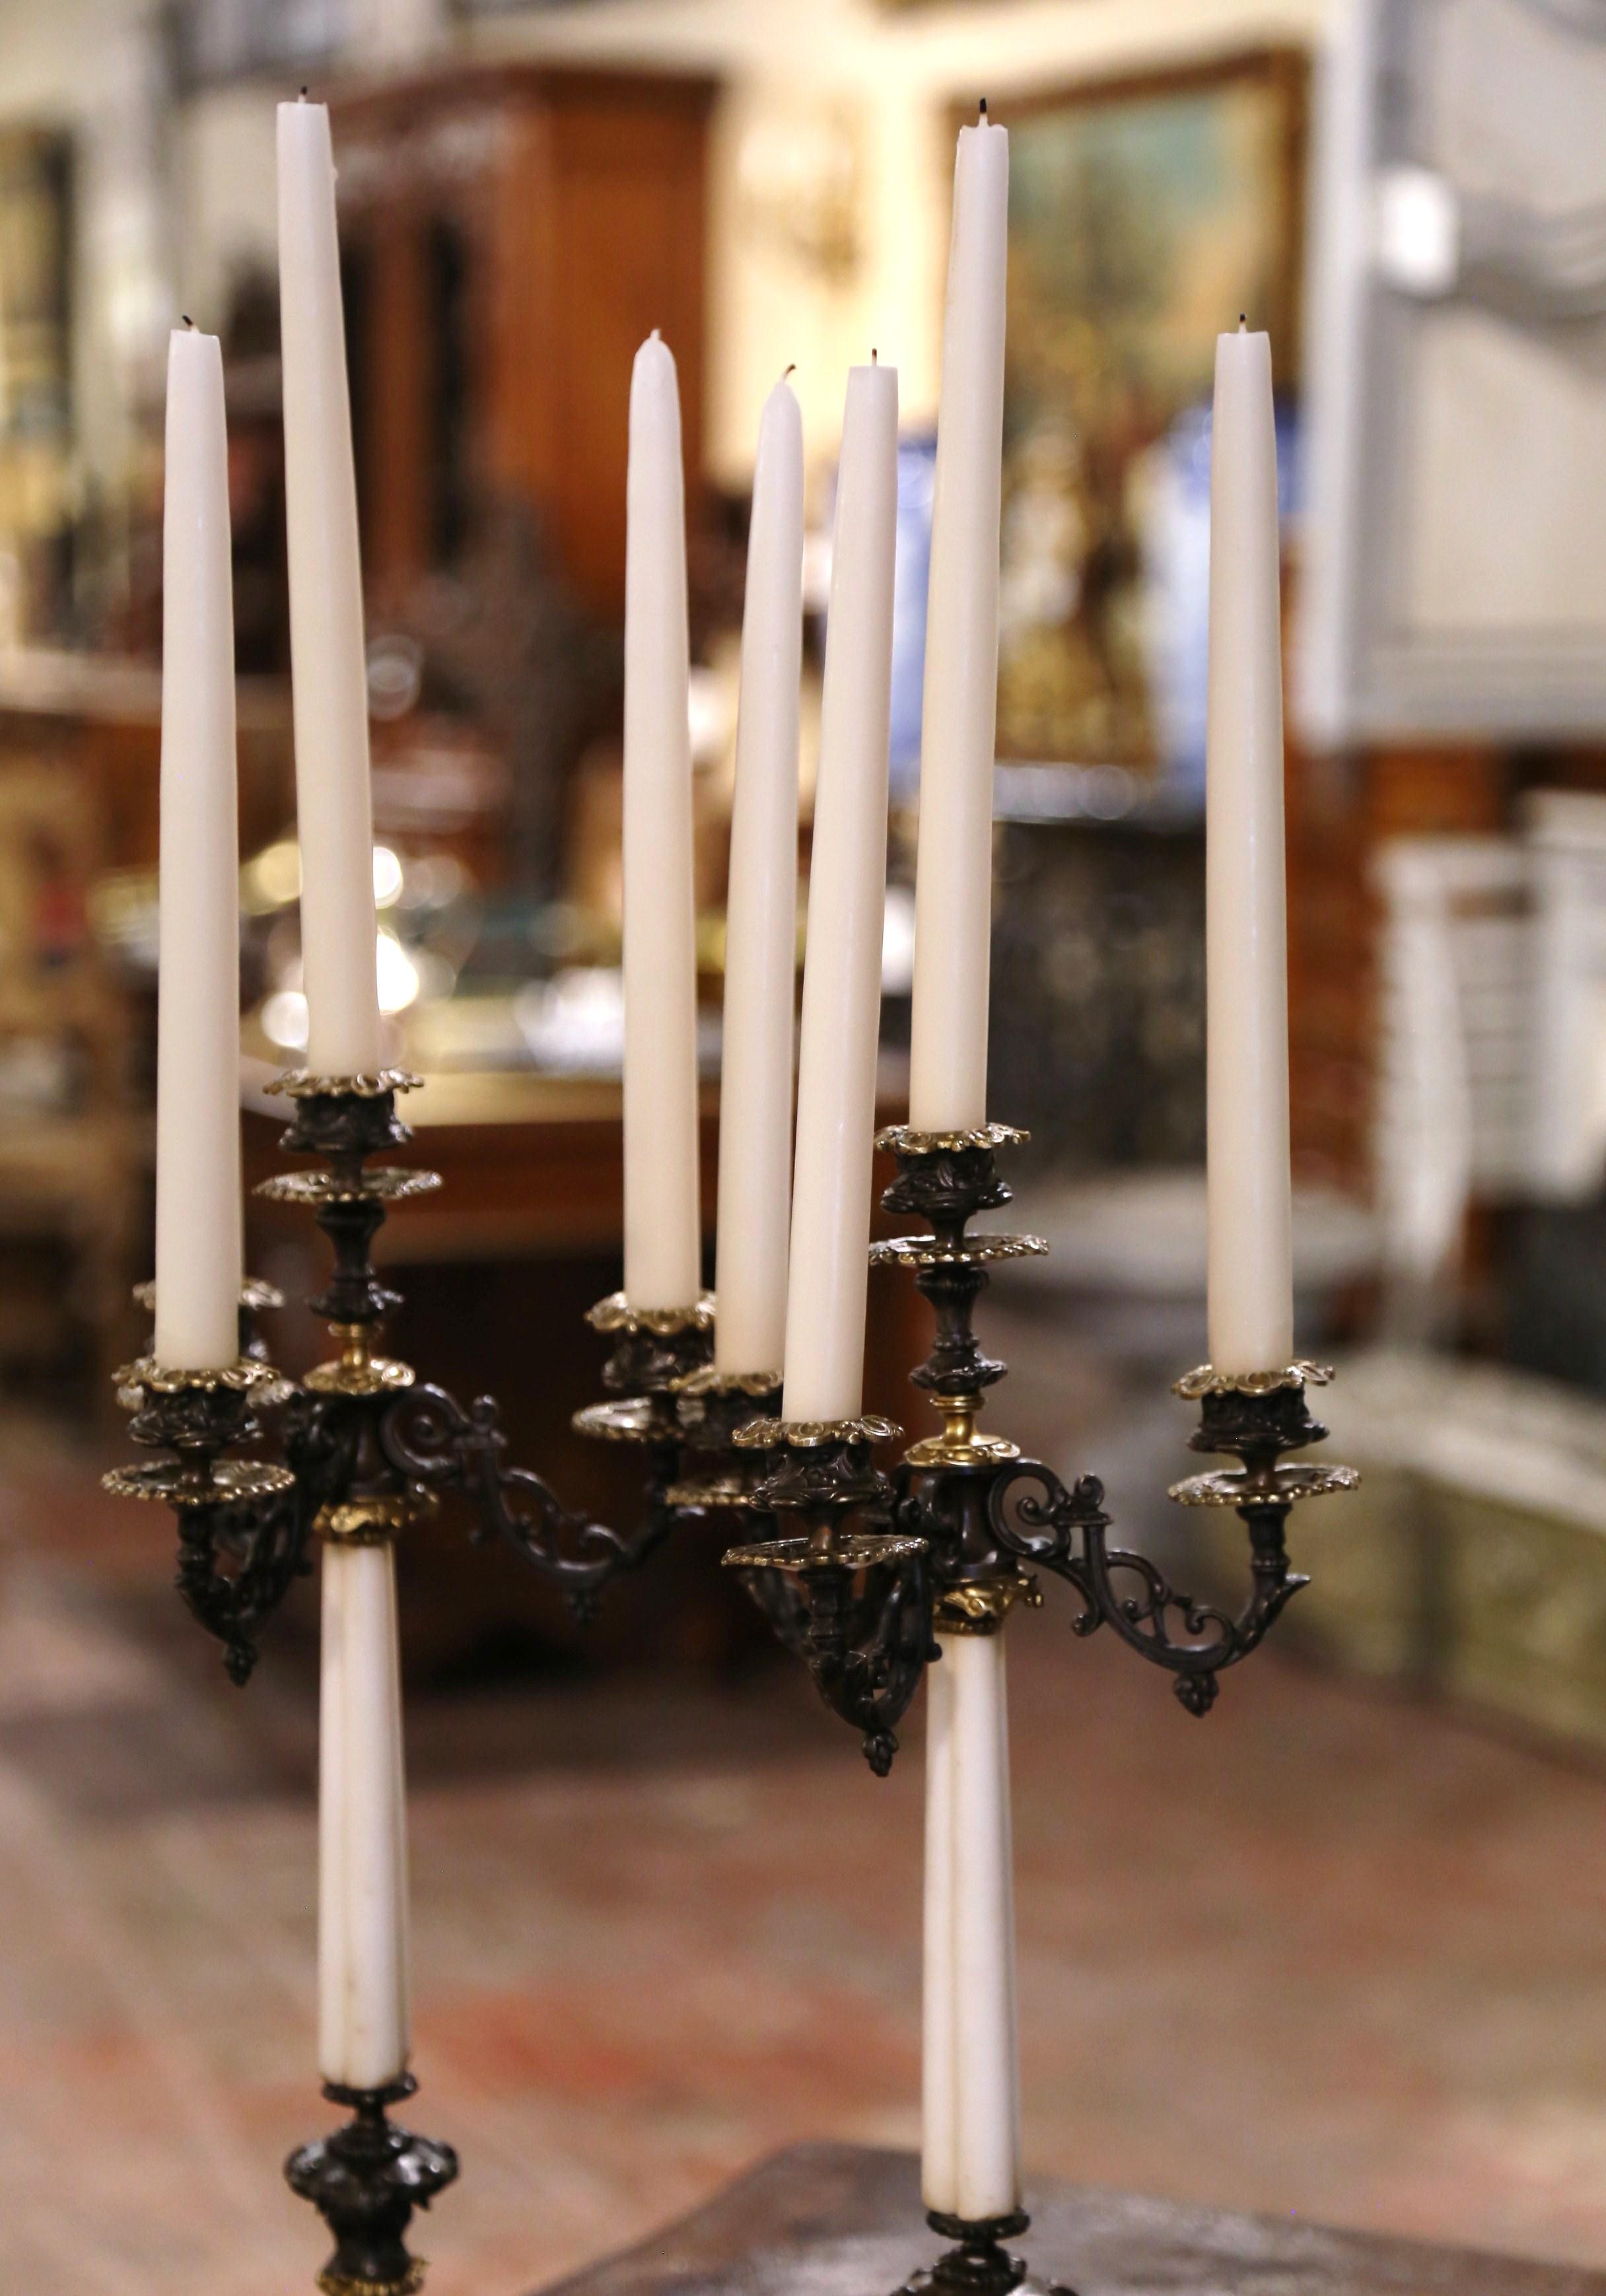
{"x": 656, "y": 336}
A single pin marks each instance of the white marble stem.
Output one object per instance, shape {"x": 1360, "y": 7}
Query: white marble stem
{"x": 970, "y": 2151}
{"x": 363, "y": 2038}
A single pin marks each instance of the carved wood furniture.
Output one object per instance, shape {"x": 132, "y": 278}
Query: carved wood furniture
{"x": 509, "y": 236}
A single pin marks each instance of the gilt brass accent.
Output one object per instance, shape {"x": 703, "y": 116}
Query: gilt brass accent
{"x": 1225, "y": 1486}
{"x": 371, "y": 1522}
{"x": 303, "y": 1083}
{"x": 615, "y": 1314}
{"x": 706, "y": 1380}
{"x": 625, "y": 1419}
{"x": 227, "y": 1478}
{"x": 959, "y": 1445}
{"x": 812, "y": 1434}
{"x": 341, "y": 2283}
{"x": 254, "y": 1293}
{"x": 356, "y": 1371}
{"x": 1206, "y": 1380}
{"x": 979, "y": 1606}
{"x": 166, "y": 1378}
{"x": 971, "y": 1252}
{"x": 385, "y": 1183}
{"x": 902, "y": 1140}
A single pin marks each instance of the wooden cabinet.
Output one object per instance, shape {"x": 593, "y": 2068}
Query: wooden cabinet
{"x": 509, "y": 236}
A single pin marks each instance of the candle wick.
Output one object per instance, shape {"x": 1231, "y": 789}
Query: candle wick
{"x": 981, "y": 107}
{"x": 302, "y": 97}
{"x": 792, "y": 369}
{"x": 1242, "y": 322}
{"x": 655, "y": 337}
{"x": 874, "y": 360}
{"x": 187, "y": 320}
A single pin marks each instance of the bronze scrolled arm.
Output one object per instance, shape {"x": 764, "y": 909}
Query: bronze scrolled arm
{"x": 427, "y": 1437}
{"x": 1034, "y": 1517}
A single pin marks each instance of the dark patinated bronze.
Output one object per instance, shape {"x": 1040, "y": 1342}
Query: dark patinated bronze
{"x": 977, "y": 2263}
{"x": 843, "y": 1591}
{"x": 366, "y": 2180}
{"x": 718, "y": 1475}
{"x": 979, "y": 1512}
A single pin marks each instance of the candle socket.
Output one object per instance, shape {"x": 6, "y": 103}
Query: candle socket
{"x": 860, "y": 1616}
{"x": 365, "y": 2180}
{"x": 196, "y": 1414}
{"x": 345, "y": 1122}
{"x": 1258, "y": 1416}
{"x": 947, "y": 1178}
{"x": 239, "y": 1547}
{"x": 844, "y": 1593}
{"x": 653, "y": 1350}
{"x": 711, "y": 1408}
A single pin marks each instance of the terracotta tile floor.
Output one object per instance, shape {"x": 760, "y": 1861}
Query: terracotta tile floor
{"x": 1328, "y": 1952}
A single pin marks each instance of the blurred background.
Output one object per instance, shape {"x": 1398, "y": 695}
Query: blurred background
{"x": 1340, "y": 1951}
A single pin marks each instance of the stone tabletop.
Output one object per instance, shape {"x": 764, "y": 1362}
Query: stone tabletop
{"x": 839, "y": 2220}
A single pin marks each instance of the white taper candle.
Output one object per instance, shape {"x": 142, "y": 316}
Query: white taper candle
{"x": 363, "y": 2037}
{"x": 760, "y": 969}
{"x": 328, "y": 666}
{"x": 1250, "y": 1248}
{"x": 663, "y": 1252}
{"x": 829, "y": 1262}
{"x": 197, "y": 1207}
{"x": 954, "y": 881}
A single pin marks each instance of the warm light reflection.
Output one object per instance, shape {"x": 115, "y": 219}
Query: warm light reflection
{"x": 398, "y": 978}
{"x": 272, "y": 880}
{"x": 284, "y": 1019}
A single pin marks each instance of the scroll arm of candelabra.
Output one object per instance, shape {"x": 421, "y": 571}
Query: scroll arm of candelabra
{"x": 1034, "y": 1516}
{"x": 428, "y": 1437}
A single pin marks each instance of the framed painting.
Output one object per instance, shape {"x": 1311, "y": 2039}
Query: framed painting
{"x": 1145, "y": 214}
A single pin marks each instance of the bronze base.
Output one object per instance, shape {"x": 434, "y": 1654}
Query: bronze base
{"x": 977, "y": 2263}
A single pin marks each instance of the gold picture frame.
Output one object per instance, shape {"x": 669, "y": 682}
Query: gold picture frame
{"x": 1146, "y": 212}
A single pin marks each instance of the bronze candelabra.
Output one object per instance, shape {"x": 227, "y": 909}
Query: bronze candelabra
{"x": 256, "y": 1467}
{"x": 861, "y": 1571}
{"x": 950, "y": 1542}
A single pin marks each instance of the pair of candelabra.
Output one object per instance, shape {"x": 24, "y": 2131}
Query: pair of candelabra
{"x": 868, "y": 1576}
